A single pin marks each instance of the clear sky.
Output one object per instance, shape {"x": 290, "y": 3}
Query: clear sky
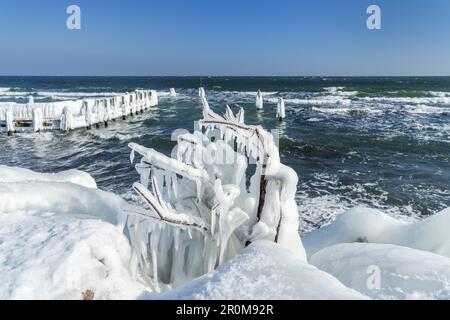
{"x": 225, "y": 37}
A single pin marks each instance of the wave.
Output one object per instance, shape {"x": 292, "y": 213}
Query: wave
{"x": 403, "y": 100}
{"x": 325, "y": 100}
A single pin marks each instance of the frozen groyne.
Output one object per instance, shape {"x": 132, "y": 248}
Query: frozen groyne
{"x": 73, "y": 114}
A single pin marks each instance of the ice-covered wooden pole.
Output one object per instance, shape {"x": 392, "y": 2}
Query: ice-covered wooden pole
{"x": 259, "y": 100}
{"x": 154, "y": 98}
{"x": 38, "y": 120}
{"x": 9, "y": 118}
{"x": 66, "y": 119}
{"x": 281, "y": 109}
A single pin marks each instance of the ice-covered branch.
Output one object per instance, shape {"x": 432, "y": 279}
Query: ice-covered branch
{"x": 166, "y": 215}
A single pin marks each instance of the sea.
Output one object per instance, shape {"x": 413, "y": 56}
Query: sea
{"x": 378, "y": 142}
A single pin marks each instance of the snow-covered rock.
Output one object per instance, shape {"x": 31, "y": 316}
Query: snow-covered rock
{"x": 264, "y": 270}
{"x": 368, "y": 225}
{"x": 384, "y": 271}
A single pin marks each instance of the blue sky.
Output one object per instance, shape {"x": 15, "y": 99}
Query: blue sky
{"x": 232, "y": 37}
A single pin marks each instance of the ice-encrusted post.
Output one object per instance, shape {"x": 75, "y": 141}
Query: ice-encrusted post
{"x": 204, "y": 204}
{"x": 38, "y": 120}
{"x": 259, "y": 100}
{"x": 9, "y": 117}
{"x": 173, "y": 93}
{"x": 281, "y": 109}
{"x": 154, "y": 98}
{"x": 66, "y": 119}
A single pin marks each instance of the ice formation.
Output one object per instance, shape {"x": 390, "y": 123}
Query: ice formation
{"x": 73, "y": 114}
{"x": 259, "y": 100}
{"x": 223, "y": 188}
{"x": 281, "y": 109}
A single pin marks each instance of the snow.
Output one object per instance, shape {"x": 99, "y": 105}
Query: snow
{"x": 403, "y": 273}
{"x": 60, "y": 237}
{"x": 60, "y": 256}
{"x": 265, "y": 270}
{"x": 15, "y": 174}
{"x": 369, "y": 225}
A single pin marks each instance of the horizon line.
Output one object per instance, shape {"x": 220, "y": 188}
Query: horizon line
{"x": 233, "y": 76}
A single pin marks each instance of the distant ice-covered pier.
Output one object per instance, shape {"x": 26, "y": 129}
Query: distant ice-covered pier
{"x": 74, "y": 114}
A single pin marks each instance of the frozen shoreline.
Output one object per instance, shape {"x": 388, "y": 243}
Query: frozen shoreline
{"x": 60, "y": 236}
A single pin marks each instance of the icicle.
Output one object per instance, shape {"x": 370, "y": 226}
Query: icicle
{"x": 211, "y": 255}
{"x": 198, "y": 184}
{"x": 154, "y": 238}
{"x": 132, "y": 156}
{"x": 168, "y": 178}
{"x": 213, "y": 218}
{"x": 175, "y": 185}
{"x": 176, "y": 238}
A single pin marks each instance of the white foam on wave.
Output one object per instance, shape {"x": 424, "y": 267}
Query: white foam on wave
{"x": 425, "y": 109}
{"x": 338, "y": 91}
{"x": 402, "y": 100}
{"x": 325, "y": 100}
{"x": 77, "y": 94}
{"x": 439, "y": 93}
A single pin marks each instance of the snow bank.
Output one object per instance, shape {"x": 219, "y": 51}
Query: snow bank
{"x": 368, "y": 225}
{"x": 265, "y": 270}
{"x": 57, "y": 256}
{"x": 59, "y": 197}
{"x": 60, "y": 238}
{"x": 386, "y": 271}
{"x": 14, "y": 174}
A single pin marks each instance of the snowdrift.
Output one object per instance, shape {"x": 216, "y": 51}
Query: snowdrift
{"x": 264, "y": 270}
{"x": 59, "y": 238}
{"x": 403, "y": 273}
{"x": 62, "y": 256}
{"x": 368, "y": 225}
{"x": 9, "y": 174}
